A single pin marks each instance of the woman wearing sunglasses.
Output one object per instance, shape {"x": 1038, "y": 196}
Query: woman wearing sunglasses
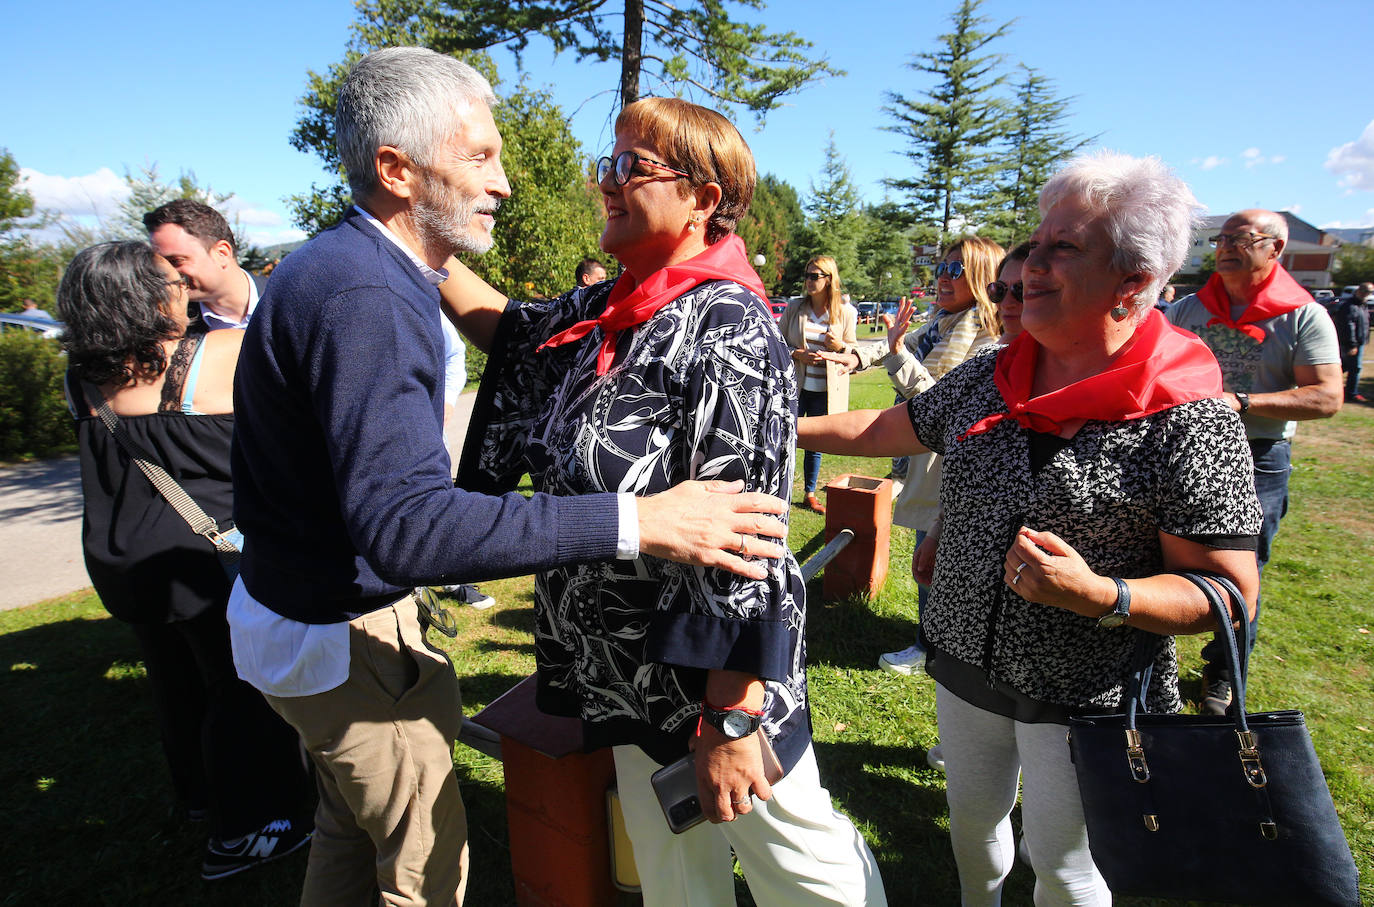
{"x": 819, "y": 322}
{"x": 674, "y": 371}
{"x": 1007, "y": 292}
{"x": 1086, "y": 464}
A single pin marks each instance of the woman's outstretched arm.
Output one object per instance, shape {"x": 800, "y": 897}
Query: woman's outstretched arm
{"x": 861, "y": 432}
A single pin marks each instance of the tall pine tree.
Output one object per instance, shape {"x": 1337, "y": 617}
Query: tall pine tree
{"x": 833, "y": 224}
{"x": 954, "y": 133}
{"x": 1036, "y": 144}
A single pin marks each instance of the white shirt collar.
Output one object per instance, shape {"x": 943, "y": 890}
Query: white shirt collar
{"x": 214, "y": 321}
{"x": 432, "y": 276}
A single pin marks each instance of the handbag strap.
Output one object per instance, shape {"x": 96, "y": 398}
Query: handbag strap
{"x": 1235, "y": 643}
{"x": 200, "y": 522}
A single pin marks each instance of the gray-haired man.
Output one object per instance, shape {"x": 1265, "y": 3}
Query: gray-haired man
{"x": 343, "y": 489}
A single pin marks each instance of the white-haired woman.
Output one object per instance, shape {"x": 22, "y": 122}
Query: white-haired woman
{"x": 1085, "y": 463}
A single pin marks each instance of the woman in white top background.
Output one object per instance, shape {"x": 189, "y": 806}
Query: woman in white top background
{"x": 819, "y": 321}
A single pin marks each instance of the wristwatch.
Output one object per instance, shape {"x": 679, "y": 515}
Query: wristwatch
{"x": 1117, "y": 616}
{"x": 733, "y": 723}
{"x": 1244, "y": 400}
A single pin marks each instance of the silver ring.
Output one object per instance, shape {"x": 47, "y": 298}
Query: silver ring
{"x": 1017, "y": 578}
{"x": 741, "y": 543}
{"x": 1019, "y": 567}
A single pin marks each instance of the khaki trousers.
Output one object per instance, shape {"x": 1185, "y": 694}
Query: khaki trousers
{"x": 390, "y": 814}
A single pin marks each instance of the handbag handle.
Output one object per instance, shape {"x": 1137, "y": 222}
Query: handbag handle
{"x": 1234, "y": 642}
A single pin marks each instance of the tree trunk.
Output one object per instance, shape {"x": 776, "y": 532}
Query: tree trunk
{"x": 632, "y": 53}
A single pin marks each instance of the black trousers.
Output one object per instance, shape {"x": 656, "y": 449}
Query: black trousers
{"x": 228, "y": 752}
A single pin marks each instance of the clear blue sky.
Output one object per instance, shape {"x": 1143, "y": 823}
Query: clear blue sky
{"x": 1256, "y": 104}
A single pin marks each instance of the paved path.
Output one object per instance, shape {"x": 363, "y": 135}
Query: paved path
{"x": 40, "y": 531}
{"x": 40, "y": 526}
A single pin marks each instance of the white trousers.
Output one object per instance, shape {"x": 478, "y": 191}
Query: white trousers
{"x": 985, "y": 755}
{"x": 795, "y": 849}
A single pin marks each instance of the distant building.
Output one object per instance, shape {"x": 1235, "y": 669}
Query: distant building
{"x": 1308, "y": 256}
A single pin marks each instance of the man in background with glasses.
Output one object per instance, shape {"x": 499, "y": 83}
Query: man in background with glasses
{"x": 1279, "y": 365}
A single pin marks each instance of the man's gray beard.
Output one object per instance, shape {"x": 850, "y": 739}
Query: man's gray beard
{"x": 443, "y": 220}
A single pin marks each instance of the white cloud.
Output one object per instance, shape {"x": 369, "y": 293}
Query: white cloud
{"x": 1292, "y": 209}
{"x": 1254, "y": 158}
{"x": 1353, "y": 162}
{"x": 1211, "y": 162}
{"x": 1362, "y": 222}
{"x": 97, "y": 193}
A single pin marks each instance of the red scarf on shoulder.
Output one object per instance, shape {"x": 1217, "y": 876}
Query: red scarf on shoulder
{"x": 1159, "y": 367}
{"x": 632, "y": 304}
{"x": 1278, "y": 295}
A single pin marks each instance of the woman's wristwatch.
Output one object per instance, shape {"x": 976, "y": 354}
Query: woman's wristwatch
{"x": 1117, "y": 616}
{"x": 735, "y": 723}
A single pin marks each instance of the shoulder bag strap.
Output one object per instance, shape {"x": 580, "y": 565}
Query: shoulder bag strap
{"x": 200, "y": 522}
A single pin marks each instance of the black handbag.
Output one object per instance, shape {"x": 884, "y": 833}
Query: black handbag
{"x": 1198, "y": 807}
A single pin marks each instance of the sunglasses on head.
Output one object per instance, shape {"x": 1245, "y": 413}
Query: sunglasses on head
{"x": 816, "y": 275}
{"x": 997, "y": 291}
{"x": 955, "y": 269}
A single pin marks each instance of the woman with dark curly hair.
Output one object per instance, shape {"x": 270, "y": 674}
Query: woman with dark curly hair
{"x": 231, "y": 758}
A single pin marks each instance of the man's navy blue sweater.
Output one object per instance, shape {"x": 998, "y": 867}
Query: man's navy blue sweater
{"x": 341, "y": 480}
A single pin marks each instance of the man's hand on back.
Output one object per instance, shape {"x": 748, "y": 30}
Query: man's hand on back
{"x": 712, "y": 524}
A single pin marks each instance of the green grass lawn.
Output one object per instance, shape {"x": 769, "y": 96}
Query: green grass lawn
{"x": 84, "y": 799}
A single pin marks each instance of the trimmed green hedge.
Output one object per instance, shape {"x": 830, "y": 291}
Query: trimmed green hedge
{"x": 34, "y": 421}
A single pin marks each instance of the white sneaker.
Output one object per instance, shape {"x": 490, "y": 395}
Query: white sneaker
{"x": 907, "y": 661}
{"x": 935, "y": 758}
{"x": 471, "y": 596}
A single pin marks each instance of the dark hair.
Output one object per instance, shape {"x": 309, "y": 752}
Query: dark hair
{"x": 1020, "y": 253}
{"x": 200, "y": 220}
{"x": 112, "y": 299}
{"x": 585, "y": 267}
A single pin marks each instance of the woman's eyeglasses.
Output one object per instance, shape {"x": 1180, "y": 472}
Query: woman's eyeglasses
{"x": 955, "y": 269}
{"x": 623, "y": 166}
{"x": 816, "y": 275}
{"x": 997, "y": 291}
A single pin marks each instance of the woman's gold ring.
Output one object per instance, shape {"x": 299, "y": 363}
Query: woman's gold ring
{"x": 741, "y": 543}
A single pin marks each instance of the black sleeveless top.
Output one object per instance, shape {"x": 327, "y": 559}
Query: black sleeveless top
{"x": 144, "y": 560}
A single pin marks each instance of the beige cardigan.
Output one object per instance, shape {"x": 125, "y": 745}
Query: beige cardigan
{"x": 793, "y": 326}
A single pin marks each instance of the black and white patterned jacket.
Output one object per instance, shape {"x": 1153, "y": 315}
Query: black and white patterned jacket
{"x": 704, "y": 389}
{"x": 1108, "y": 493}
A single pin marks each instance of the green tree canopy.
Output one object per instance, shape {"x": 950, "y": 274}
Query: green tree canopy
{"x": 833, "y": 224}
{"x": 28, "y": 270}
{"x": 1354, "y": 264}
{"x": 693, "y": 44}
{"x": 771, "y": 227}
{"x": 1034, "y": 148}
{"x": 954, "y": 133}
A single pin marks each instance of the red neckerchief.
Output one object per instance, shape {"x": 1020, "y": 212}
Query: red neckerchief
{"x": 631, "y": 305}
{"x": 1278, "y": 295}
{"x": 1160, "y": 366}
